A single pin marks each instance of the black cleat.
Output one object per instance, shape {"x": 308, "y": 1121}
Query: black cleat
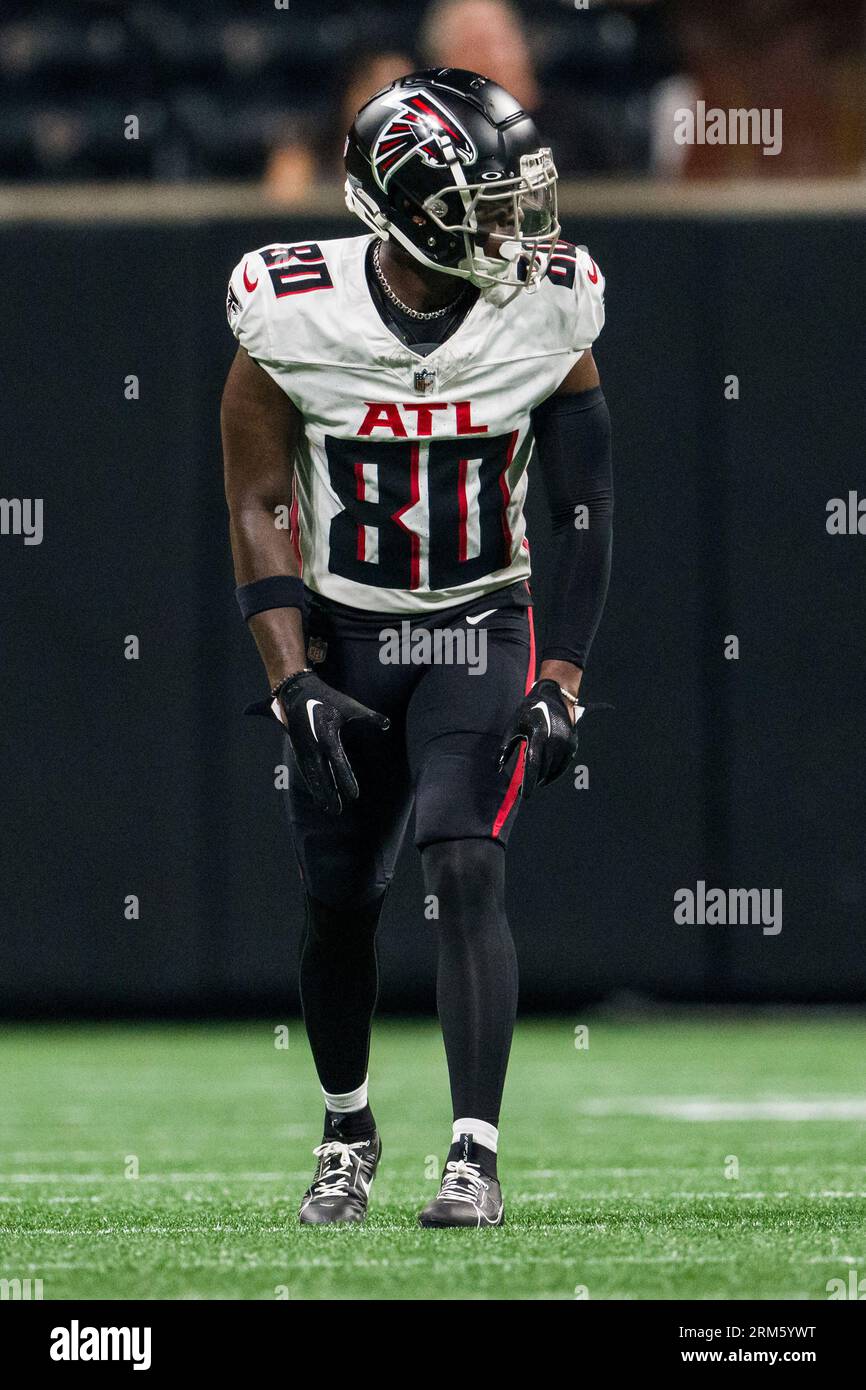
{"x": 467, "y": 1195}
{"x": 341, "y": 1187}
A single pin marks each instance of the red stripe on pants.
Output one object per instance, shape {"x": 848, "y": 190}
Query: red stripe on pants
{"x": 517, "y": 775}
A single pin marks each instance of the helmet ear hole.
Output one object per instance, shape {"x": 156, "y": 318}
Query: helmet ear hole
{"x": 410, "y": 209}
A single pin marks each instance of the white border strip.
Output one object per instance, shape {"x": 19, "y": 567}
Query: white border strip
{"x": 149, "y": 202}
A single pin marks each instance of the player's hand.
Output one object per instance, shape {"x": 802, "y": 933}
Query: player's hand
{"x": 313, "y": 714}
{"x": 543, "y": 721}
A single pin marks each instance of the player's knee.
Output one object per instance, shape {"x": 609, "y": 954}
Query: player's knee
{"x": 346, "y": 922}
{"x": 466, "y": 876}
{"x": 339, "y": 876}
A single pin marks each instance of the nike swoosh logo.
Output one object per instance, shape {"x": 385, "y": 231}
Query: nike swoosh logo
{"x": 311, "y": 705}
{"x": 496, "y": 1219}
{"x": 249, "y": 284}
{"x": 545, "y": 711}
{"x": 478, "y": 616}
{"x": 593, "y": 274}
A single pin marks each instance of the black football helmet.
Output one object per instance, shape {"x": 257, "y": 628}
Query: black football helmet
{"x": 451, "y": 166}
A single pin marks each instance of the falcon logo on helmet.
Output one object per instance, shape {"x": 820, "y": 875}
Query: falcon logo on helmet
{"x": 419, "y": 126}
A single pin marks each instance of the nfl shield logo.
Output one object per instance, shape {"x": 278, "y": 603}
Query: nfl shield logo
{"x": 424, "y": 380}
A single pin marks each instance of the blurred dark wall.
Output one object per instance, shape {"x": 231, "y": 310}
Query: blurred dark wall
{"x": 141, "y": 777}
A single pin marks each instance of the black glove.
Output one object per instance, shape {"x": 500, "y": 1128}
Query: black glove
{"x": 543, "y": 719}
{"x": 313, "y": 715}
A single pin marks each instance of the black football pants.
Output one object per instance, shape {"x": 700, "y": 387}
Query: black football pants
{"x": 440, "y": 758}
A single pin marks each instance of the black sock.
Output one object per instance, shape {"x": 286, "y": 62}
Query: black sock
{"x": 339, "y": 983}
{"x": 349, "y": 1128}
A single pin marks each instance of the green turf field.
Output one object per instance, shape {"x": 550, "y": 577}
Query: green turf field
{"x": 614, "y": 1162}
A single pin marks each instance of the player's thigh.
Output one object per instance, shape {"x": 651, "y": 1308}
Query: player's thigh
{"x": 457, "y": 717}
{"x": 351, "y": 856}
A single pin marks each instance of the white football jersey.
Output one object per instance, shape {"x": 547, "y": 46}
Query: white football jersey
{"x": 410, "y": 478}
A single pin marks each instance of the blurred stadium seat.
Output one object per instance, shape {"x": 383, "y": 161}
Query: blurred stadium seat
{"x": 221, "y": 87}
{"x": 217, "y": 86}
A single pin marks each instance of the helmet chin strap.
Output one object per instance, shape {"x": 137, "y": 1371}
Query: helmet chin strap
{"x": 510, "y": 250}
{"x": 506, "y": 286}
{"x": 488, "y": 273}
{"x": 500, "y": 271}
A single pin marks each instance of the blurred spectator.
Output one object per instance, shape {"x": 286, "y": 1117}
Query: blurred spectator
{"x": 600, "y": 66}
{"x": 804, "y": 57}
{"x": 294, "y": 165}
{"x": 596, "y": 108}
{"x": 232, "y": 89}
{"x": 485, "y": 35}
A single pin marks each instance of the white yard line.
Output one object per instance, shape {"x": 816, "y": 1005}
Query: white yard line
{"x": 700, "y": 1108}
{"x": 36, "y": 1178}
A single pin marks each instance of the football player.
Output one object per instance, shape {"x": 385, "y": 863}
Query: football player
{"x": 387, "y": 394}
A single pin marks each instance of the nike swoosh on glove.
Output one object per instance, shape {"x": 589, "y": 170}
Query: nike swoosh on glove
{"x": 313, "y": 715}
{"x": 543, "y": 721}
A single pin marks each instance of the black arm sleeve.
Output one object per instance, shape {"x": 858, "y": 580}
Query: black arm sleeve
{"x": 572, "y": 436}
